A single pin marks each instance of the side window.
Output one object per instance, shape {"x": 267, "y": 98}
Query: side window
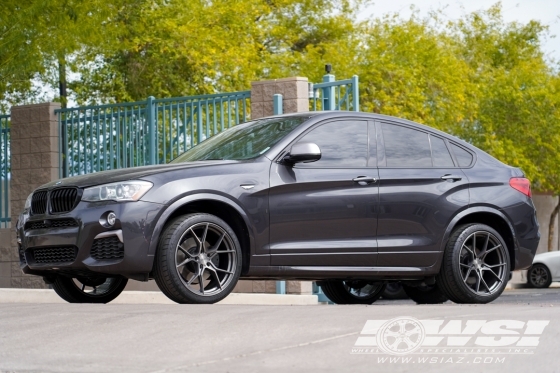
{"x": 406, "y": 147}
{"x": 440, "y": 153}
{"x": 463, "y": 157}
{"x": 342, "y": 144}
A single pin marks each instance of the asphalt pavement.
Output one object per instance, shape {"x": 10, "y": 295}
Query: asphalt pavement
{"x": 517, "y": 333}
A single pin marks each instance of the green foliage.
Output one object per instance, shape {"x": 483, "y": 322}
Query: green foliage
{"x": 480, "y": 78}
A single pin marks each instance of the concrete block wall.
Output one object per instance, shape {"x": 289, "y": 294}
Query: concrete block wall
{"x": 35, "y": 161}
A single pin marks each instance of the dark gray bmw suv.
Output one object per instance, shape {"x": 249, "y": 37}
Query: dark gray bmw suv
{"x": 352, "y": 200}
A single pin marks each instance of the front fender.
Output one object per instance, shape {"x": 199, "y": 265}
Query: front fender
{"x": 197, "y": 196}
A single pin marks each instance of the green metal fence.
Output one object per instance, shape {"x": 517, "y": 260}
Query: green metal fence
{"x": 154, "y": 131}
{"x": 5, "y": 174}
{"x": 106, "y": 137}
{"x": 335, "y": 95}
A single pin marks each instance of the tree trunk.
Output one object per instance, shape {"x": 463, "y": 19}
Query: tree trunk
{"x": 551, "y": 224}
{"x": 62, "y": 81}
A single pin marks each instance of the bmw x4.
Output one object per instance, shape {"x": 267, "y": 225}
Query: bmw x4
{"x": 350, "y": 200}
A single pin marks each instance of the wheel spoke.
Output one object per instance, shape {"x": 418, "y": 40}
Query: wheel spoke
{"x": 477, "y": 282}
{"x": 474, "y": 245}
{"x": 214, "y": 274}
{"x": 464, "y": 265}
{"x": 185, "y": 262}
{"x": 219, "y": 269}
{"x": 492, "y": 272}
{"x": 83, "y": 287}
{"x": 199, "y": 243}
{"x": 215, "y": 247}
{"x": 201, "y": 280}
{"x": 483, "y": 252}
{"x": 204, "y": 238}
{"x": 484, "y": 282}
{"x": 185, "y": 251}
{"x": 467, "y": 274}
{"x": 195, "y": 275}
{"x": 470, "y": 251}
{"x": 495, "y": 265}
{"x": 492, "y": 249}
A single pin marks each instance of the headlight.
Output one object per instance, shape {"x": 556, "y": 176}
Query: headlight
{"x": 123, "y": 191}
{"x": 27, "y": 205}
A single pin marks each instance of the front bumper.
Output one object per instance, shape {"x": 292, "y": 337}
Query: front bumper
{"x": 62, "y": 243}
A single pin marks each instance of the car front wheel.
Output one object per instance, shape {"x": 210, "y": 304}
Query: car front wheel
{"x": 476, "y": 265}
{"x": 539, "y": 276}
{"x": 352, "y": 291}
{"x": 89, "y": 290}
{"x": 198, "y": 259}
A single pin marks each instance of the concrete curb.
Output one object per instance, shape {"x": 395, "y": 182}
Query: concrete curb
{"x": 153, "y": 297}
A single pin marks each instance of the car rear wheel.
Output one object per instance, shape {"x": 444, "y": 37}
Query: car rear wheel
{"x": 425, "y": 294}
{"x": 539, "y": 276}
{"x": 89, "y": 290}
{"x": 476, "y": 265}
{"x": 352, "y": 291}
{"x": 198, "y": 259}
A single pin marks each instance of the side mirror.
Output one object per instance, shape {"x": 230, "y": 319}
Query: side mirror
{"x": 303, "y": 152}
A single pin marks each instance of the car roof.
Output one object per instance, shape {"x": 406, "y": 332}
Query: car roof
{"x": 320, "y": 115}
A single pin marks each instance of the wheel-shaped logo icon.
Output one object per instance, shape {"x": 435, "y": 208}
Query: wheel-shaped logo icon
{"x": 401, "y": 336}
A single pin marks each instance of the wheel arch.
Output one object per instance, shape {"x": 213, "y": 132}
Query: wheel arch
{"x": 488, "y": 216}
{"x": 214, "y": 204}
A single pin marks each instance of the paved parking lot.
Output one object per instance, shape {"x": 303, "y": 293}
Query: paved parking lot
{"x": 229, "y": 338}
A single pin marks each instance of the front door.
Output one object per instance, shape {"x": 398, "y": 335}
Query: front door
{"x": 324, "y": 213}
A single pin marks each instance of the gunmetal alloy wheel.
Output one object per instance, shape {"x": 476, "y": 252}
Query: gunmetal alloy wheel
{"x": 539, "y": 276}
{"x": 89, "y": 290}
{"x": 198, "y": 259}
{"x": 475, "y": 266}
{"x": 352, "y": 291}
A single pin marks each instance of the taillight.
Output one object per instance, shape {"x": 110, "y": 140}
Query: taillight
{"x": 521, "y": 184}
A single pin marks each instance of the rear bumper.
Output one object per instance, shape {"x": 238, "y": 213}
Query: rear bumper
{"x": 51, "y": 244}
{"x": 523, "y": 217}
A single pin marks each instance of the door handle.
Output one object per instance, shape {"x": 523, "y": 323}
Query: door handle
{"x": 364, "y": 180}
{"x": 451, "y": 177}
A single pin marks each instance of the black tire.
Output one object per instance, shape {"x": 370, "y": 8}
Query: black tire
{"x": 539, "y": 276}
{"x": 465, "y": 275}
{"x": 426, "y": 294}
{"x": 202, "y": 261}
{"x": 394, "y": 291}
{"x": 104, "y": 290}
{"x": 341, "y": 292}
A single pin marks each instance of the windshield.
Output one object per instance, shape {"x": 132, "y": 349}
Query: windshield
{"x": 245, "y": 141}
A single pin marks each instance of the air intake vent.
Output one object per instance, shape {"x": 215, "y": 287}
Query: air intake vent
{"x": 47, "y": 255}
{"x": 107, "y": 248}
{"x": 21, "y": 254}
{"x": 55, "y": 223}
{"x": 63, "y": 200}
{"x": 39, "y": 202}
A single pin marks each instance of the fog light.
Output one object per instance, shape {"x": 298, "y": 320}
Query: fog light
{"x": 111, "y": 219}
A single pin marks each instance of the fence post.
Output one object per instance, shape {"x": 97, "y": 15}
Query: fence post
{"x": 199, "y": 123}
{"x": 355, "y": 93}
{"x": 277, "y": 104}
{"x": 329, "y": 93}
{"x": 151, "y": 119}
{"x": 278, "y": 110}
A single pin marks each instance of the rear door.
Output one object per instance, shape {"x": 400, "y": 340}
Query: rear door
{"x": 420, "y": 191}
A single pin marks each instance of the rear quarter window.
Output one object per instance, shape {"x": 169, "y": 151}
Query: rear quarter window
{"x": 464, "y": 158}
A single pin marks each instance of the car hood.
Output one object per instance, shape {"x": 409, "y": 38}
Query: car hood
{"x": 105, "y": 177}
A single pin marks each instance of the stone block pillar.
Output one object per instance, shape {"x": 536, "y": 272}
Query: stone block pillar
{"x": 294, "y": 93}
{"x": 35, "y": 161}
{"x": 295, "y": 99}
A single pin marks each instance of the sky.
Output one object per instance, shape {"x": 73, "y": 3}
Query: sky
{"x": 545, "y": 11}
